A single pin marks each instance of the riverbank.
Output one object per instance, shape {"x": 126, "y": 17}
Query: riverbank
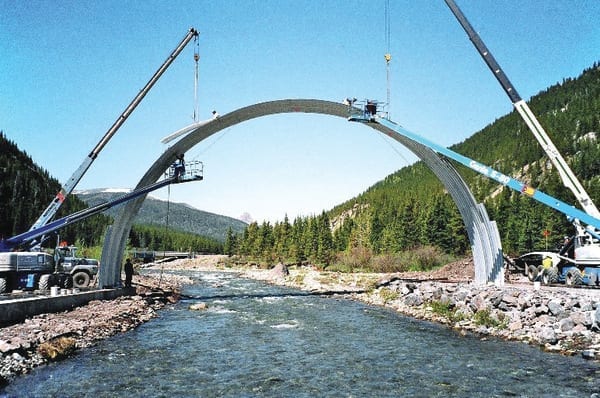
{"x": 50, "y": 337}
{"x": 557, "y": 319}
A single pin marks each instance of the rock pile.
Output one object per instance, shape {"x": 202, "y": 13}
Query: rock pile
{"x": 563, "y": 320}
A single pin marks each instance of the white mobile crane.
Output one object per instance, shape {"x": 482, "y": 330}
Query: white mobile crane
{"x": 580, "y": 254}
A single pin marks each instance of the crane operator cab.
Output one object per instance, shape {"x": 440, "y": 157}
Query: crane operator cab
{"x": 365, "y": 111}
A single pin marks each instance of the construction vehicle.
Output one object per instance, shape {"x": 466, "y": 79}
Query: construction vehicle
{"x": 575, "y": 263}
{"x": 32, "y": 270}
{"x": 577, "y": 260}
{"x": 81, "y": 269}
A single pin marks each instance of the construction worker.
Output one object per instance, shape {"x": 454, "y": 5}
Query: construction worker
{"x": 128, "y": 268}
{"x": 179, "y": 166}
{"x": 547, "y": 262}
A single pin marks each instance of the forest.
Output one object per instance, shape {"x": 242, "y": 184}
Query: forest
{"x": 409, "y": 215}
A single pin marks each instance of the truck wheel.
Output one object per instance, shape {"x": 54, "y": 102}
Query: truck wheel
{"x": 3, "y": 285}
{"x": 532, "y": 272}
{"x": 54, "y": 280}
{"x": 550, "y": 275}
{"x": 44, "y": 283}
{"x": 66, "y": 281}
{"x": 81, "y": 279}
{"x": 574, "y": 277}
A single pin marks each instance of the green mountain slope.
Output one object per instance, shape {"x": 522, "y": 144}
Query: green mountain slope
{"x": 26, "y": 190}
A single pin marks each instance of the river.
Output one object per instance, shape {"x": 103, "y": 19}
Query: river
{"x": 258, "y": 340}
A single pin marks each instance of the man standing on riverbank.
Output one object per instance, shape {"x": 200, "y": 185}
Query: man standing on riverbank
{"x": 128, "y": 268}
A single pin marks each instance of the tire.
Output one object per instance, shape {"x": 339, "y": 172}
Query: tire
{"x": 550, "y": 275}
{"x": 3, "y": 285}
{"x": 532, "y": 272}
{"x": 44, "y": 283}
{"x": 574, "y": 277}
{"x": 54, "y": 280}
{"x": 66, "y": 281}
{"x": 81, "y": 279}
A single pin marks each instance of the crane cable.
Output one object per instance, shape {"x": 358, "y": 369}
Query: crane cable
{"x": 388, "y": 55}
{"x": 196, "y": 59}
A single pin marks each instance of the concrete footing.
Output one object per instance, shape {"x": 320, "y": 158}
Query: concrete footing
{"x": 17, "y": 310}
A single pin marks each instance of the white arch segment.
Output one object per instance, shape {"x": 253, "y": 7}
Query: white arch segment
{"x": 483, "y": 233}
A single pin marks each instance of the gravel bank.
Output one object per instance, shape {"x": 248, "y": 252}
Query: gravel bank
{"x": 50, "y": 337}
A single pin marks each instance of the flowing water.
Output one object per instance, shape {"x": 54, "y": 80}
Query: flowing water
{"x": 257, "y": 340}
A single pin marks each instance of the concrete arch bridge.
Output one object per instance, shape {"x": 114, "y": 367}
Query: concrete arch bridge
{"x": 483, "y": 233}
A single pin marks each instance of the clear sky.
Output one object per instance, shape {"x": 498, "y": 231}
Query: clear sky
{"x": 68, "y": 69}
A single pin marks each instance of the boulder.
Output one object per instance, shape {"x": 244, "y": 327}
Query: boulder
{"x": 413, "y": 299}
{"x": 596, "y": 320}
{"x": 199, "y": 306}
{"x": 514, "y": 326}
{"x": 547, "y": 335}
{"x": 555, "y": 308}
{"x": 582, "y": 318}
{"x": 590, "y": 354}
{"x": 478, "y": 303}
{"x": 280, "y": 271}
{"x": 566, "y": 324}
{"x": 524, "y": 302}
{"x": 447, "y": 300}
{"x": 540, "y": 310}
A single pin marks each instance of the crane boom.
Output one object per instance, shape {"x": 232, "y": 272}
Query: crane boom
{"x": 68, "y": 186}
{"x": 566, "y": 174}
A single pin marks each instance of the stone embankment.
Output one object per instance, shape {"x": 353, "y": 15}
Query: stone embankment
{"x": 49, "y": 337}
{"x": 557, "y": 319}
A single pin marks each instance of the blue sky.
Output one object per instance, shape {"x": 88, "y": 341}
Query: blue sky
{"x": 69, "y": 68}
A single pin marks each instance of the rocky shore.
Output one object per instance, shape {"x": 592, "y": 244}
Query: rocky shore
{"x": 50, "y": 337}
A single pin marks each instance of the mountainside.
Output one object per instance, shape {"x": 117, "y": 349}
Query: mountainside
{"x": 570, "y": 114}
{"x": 26, "y": 190}
{"x": 180, "y": 215}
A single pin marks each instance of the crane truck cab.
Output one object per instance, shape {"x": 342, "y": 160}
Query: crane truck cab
{"x": 83, "y": 270}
